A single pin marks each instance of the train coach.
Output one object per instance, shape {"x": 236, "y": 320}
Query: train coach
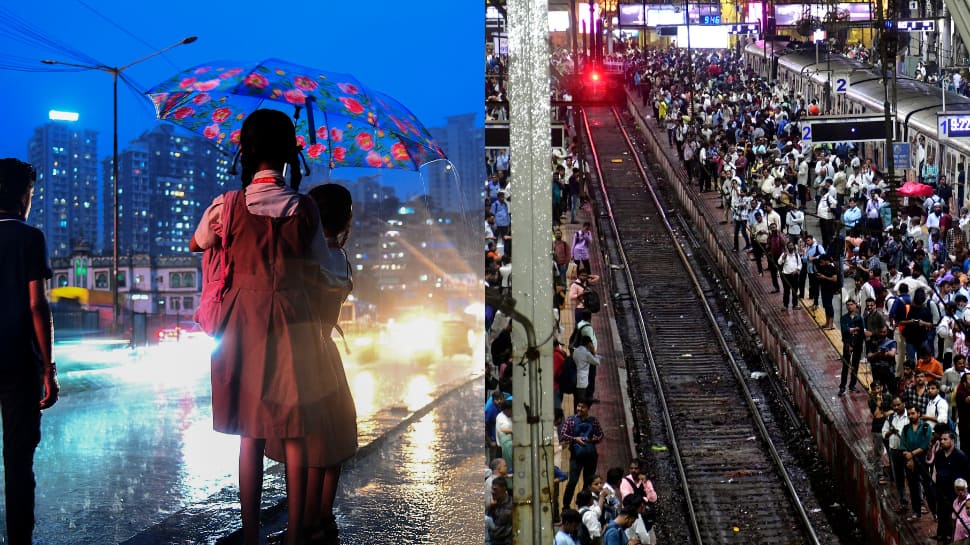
{"x": 849, "y": 87}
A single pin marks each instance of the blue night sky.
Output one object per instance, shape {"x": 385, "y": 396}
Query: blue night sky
{"x": 427, "y": 55}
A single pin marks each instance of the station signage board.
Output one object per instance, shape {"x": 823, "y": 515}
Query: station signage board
{"x": 901, "y": 156}
{"x": 953, "y": 125}
{"x": 744, "y": 28}
{"x": 825, "y": 130}
{"x": 920, "y": 25}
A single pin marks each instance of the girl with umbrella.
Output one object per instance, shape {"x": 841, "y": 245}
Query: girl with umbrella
{"x": 267, "y": 382}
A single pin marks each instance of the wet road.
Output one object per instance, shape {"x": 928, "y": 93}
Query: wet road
{"x": 130, "y": 442}
{"x": 424, "y": 485}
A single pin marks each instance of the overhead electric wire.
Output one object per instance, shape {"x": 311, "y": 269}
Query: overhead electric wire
{"x": 127, "y": 32}
{"x": 20, "y": 30}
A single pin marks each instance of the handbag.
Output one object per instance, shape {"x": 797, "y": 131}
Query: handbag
{"x": 582, "y": 429}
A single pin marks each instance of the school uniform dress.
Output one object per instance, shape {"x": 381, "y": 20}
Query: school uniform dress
{"x": 266, "y": 381}
{"x": 337, "y": 439}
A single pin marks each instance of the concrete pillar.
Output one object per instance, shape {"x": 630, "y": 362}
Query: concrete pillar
{"x": 946, "y": 53}
{"x": 532, "y": 287}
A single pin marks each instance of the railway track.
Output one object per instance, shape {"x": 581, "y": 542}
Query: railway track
{"x": 735, "y": 485}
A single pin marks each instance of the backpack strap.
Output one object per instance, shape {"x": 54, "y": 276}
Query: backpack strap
{"x": 228, "y": 205}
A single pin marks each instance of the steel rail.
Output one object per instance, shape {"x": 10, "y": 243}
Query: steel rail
{"x": 654, "y": 368}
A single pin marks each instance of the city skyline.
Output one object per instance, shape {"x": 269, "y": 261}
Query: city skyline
{"x": 168, "y": 178}
{"x": 333, "y": 37}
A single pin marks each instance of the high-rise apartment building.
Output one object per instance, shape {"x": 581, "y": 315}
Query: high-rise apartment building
{"x": 465, "y": 146}
{"x": 66, "y": 203}
{"x": 167, "y": 181}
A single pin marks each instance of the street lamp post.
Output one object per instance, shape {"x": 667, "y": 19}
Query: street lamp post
{"x": 116, "y": 71}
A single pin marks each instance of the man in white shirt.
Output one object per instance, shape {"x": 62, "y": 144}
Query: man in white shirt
{"x": 937, "y": 409}
{"x": 826, "y": 211}
{"x": 794, "y": 223}
{"x": 892, "y": 431}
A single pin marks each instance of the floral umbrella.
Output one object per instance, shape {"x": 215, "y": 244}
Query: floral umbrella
{"x": 360, "y": 127}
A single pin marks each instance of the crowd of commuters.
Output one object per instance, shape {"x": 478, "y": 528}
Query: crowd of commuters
{"x": 593, "y": 504}
{"x": 891, "y": 278}
{"x": 900, "y": 273}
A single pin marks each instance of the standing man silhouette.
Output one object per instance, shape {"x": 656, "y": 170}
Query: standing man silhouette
{"x": 28, "y": 378}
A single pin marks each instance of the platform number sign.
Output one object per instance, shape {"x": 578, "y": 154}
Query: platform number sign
{"x": 807, "y": 134}
{"x": 953, "y": 126}
{"x": 841, "y": 85}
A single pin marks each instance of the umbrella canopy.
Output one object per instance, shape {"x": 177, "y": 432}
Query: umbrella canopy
{"x": 915, "y": 189}
{"x": 344, "y": 123}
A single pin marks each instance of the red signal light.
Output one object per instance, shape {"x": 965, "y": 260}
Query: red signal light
{"x": 594, "y": 76}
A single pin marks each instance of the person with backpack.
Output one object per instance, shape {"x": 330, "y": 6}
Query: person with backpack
{"x": 570, "y": 523}
{"x": 585, "y": 329}
{"x": 628, "y": 485}
{"x": 578, "y": 291}
{"x": 916, "y": 324}
{"x": 615, "y": 533}
{"x": 580, "y": 434}
{"x": 586, "y": 360}
{"x": 611, "y": 505}
{"x": 590, "y": 532}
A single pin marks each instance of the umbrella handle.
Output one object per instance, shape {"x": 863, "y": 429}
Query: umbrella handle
{"x": 312, "y": 129}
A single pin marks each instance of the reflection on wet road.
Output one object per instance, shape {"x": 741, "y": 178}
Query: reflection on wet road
{"x": 425, "y": 484}
{"x": 131, "y": 441}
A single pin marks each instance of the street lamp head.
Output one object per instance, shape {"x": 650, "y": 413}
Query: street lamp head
{"x": 190, "y": 39}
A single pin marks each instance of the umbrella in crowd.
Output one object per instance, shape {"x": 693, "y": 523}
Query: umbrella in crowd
{"x": 915, "y": 189}
{"x": 343, "y": 122}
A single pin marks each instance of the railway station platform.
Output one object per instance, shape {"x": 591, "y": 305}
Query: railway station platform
{"x": 612, "y": 409}
{"x": 806, "y": 358}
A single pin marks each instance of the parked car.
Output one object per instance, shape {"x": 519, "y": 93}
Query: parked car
{"x": 181, "y": 331}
